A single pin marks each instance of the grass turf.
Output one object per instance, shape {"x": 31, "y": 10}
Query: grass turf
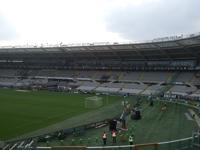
{"x": 23, "y": 112}
{"x": 155, "y": 126}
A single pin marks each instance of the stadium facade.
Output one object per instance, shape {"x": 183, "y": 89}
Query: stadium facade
{"x": 168, "y": 67}
{"x": 163, "y": 55}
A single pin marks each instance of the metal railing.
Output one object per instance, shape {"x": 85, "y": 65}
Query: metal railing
{"x": 163, "y": 39}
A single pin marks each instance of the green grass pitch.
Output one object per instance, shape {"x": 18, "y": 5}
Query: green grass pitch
{"x": 155, "y": 126}
{"x": 23, "y": 112}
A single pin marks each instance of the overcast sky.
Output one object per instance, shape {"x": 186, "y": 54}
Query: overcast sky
{"x": 82, "y": 21}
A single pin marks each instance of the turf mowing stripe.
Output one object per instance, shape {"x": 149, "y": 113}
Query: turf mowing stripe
{"x": 152, "y": 124}
{"x": 196, "y": 117}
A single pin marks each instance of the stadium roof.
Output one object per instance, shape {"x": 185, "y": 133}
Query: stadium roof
{"x": 164, "y": 48}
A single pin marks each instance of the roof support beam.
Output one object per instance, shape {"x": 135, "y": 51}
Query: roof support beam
{"x": 115, "y": 54}
{"x": 164, "y": 52}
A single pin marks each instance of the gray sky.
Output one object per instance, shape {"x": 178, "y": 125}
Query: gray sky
{"x": 155, "y": 18}
{"x": 7, "y": 32}
{"x": 81, "y": 21}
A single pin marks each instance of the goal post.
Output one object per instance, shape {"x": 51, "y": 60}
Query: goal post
{"x": 69, "y": 147}
{"x": 93, "y": 102}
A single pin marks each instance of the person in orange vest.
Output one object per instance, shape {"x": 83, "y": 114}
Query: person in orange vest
{"x": 104, "y": 137}
{"x": 114, "y": 136}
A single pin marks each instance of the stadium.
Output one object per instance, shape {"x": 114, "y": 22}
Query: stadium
{"x": 67, "y": 96}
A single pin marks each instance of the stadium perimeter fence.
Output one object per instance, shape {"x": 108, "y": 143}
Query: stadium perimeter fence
{"x": 191, "y": 143}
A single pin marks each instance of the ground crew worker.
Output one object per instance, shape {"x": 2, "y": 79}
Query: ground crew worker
{"x": 114, "y": 136}
{"x": 130, "y": 140}
{"x": 104, "y": 138}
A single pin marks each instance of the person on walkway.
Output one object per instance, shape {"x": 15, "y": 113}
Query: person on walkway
{"x": 130, "y": 139}
{"x": 104, "y": 138}
{"x": 114, "y": 136}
